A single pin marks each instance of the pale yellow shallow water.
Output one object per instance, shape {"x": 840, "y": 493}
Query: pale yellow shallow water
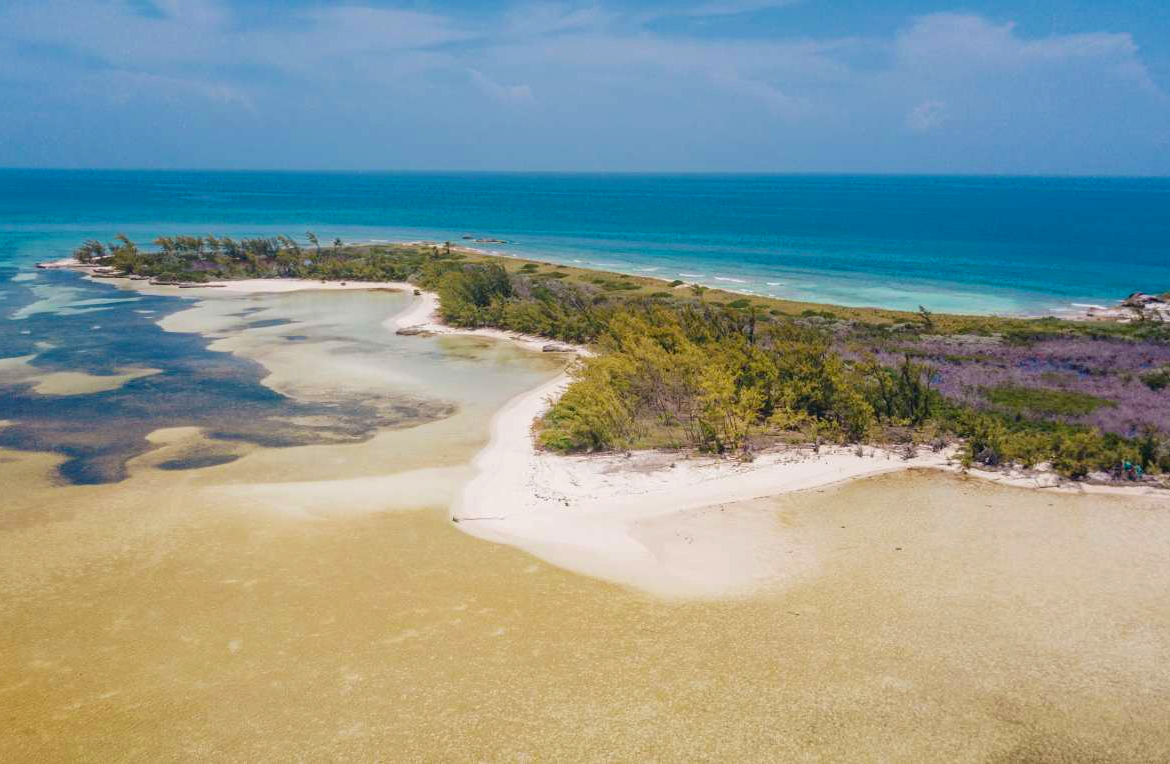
{"x": 194, "y": 615}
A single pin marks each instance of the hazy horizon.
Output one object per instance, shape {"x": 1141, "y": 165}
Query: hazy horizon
{"x": 504, "y": 171}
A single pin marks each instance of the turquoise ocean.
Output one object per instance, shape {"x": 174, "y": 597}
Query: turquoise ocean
{"x": 965, "y": 244}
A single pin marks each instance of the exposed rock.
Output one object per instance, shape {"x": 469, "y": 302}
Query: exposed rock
{"x": 414, "y": 331}
{"x": 1137, "y": 307}
{"x": 555, "y": 348}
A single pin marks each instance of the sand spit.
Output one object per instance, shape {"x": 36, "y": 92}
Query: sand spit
{"x": 645, "y": 520}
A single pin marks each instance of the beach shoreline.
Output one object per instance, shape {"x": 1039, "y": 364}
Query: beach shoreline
{"x": 615, "y": 517}
{"x": 589, "y": 513}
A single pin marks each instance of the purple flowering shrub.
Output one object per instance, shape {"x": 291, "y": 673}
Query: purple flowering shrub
{"x": 1096, "y": 382}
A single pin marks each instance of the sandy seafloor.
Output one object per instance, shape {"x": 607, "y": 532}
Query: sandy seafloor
{"x": 316, "y": 603}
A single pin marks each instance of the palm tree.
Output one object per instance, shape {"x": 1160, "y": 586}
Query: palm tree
{"x": 312, "y": 237}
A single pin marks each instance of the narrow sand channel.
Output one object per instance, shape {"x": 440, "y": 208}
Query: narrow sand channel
{"x": 316, "y": 602}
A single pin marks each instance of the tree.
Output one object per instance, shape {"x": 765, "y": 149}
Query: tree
{"x": 189, "y": 246}
{"x": 312, "y": 237}
{"x": 927, "y": 318}
{"x": 231, "y": 249}
{"x": 124, "y": 254}
{"x": 90, "y": 251}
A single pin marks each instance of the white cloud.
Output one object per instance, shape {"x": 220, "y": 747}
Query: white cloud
{"x": 198, "y": 13}
{"x": 508, "y": 94}
{"x": 124, "y": 86}
{"x": 599, "y": 69}
{"x": 734, "y": 7}
{"x": 958, "y": 40}
{"x": 538, "y": 19}
{"x": 340, "y": 29}
{"x": 927, "y": 116}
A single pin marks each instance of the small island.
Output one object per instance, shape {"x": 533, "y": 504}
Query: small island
{"x": 683, "y": 367}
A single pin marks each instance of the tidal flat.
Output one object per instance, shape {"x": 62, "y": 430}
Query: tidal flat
{"x": 229, "y": 590}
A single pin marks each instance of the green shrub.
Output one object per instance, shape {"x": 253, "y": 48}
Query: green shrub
{"x": 1041, "y": 402}
{"x": 1158, "y": 379}
{"x": 1078, "y": 454}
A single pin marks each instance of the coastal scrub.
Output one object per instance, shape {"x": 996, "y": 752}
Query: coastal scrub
{"x": 727, "y": 373}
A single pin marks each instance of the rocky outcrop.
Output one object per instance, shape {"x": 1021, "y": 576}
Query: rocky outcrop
{"x": 1139, "y": 306}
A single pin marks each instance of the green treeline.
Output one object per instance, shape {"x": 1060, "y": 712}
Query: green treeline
{"x": 706, "y": 378}
{"x": 488, "y": 295}
{"x": 197, "y": 259}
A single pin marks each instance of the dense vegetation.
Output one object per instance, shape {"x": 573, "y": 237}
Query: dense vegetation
{"x": 683, "y": 366}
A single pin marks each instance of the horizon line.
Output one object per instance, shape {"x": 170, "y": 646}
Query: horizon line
{"x": 742, "y": 173}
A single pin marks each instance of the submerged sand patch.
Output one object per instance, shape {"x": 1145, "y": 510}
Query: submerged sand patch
{"x": 946, "y": 620}
{"x": 20, "y": 370}
{"x": 81, "y": 383}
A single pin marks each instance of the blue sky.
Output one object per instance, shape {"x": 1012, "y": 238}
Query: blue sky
{"x": 1036, "y": 87}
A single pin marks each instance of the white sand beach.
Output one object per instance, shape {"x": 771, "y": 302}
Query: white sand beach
{"x": 650, "y": 520}
{"x": 657, "y": 521}
{"x": 273, "y": 286}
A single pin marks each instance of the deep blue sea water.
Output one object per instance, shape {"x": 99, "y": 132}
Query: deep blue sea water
{"x": 970, "y": 244}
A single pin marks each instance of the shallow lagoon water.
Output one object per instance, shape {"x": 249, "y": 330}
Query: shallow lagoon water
{"x": 138, "y": 363}
{"x": 313, "y": 601}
